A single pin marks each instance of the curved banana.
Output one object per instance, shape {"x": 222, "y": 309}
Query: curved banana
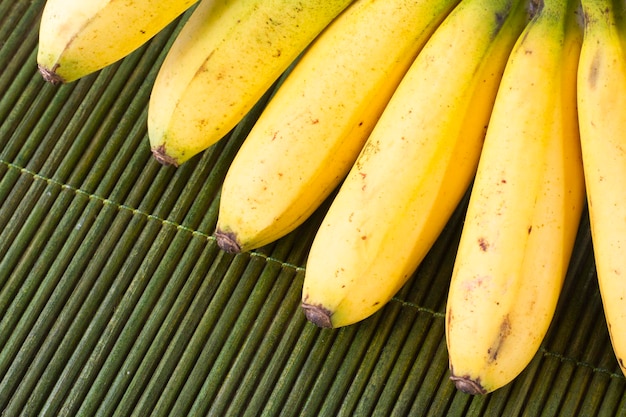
{"x": 602, "y": 121}
{"x": 79, "y": 37}
{"x": 524, "y": 209}
{"x": 225, "y": 58}
{"x": 414, "y": 168}
{"x": 309, "y": 135}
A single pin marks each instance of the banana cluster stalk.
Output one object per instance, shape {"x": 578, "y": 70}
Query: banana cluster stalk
{"x": 225, "y": 58}
{"x": 524, "y": 209}
{"x": 79, "y": 37}
{"x": 602, "y": 121}
{"x": 414, "y": 168}
{"x": 311, "y": 132}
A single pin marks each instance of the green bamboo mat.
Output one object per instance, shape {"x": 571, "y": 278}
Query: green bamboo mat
{"x": 115, "y": 300}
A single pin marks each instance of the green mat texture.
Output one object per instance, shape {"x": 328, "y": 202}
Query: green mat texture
{"x": 116, "y": 301}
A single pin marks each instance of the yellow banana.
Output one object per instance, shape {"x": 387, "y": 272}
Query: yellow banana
{"x": 79, "y": 37}
{"x": 524, "y": 209}
{"x": 309, "y": 135}
{"x": 602, "y": 121}
{"x": 413, "y": 169}
{"x": 225, "y": 58}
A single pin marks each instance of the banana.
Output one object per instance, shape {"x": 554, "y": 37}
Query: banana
{"x": 524, "y": 209}
{"x": 225, "y": 58}
{"x": 79, "y": 37}
{"x": 413, "y": 169}
{"x": 309, "y": 135}
{"x": 602, "y": 122}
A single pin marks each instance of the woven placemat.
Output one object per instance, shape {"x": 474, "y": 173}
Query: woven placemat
{"x": 116, "y": 301}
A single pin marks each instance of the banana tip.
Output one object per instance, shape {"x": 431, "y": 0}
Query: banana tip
{"x": 50, "y": 75}
{"x": 468, "y": 385}
{"x": 162, "y": 157}
{"x": 317, "y": 315}
{"x": 227, "y": 241}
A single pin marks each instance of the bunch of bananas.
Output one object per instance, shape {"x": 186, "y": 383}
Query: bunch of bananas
{"x": 399, "y": 106}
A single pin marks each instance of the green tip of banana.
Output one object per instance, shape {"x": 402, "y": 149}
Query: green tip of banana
{"x": 162, "y": 157}
{"x": 50, "y": 75}
{"x": 468, "y": 385}
{"x": 227, "y": 241}
{"x": 317, "y": 315}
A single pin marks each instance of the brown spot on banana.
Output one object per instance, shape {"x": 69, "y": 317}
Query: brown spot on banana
{"x": 594, "y": 71}
{"x": 505, "y": 331}
{"x": 483, "y": 244}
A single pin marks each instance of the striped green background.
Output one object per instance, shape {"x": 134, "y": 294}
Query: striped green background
{"x": 115, "y": 300}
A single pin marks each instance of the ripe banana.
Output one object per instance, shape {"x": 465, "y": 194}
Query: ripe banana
{"x": 79, "y": 37}
{"x": 414, "y": 168}
{"x": 225, "y": 58}
{"x": 602, "y": 121}
{"x": 524, "y": 209}
{"x": 309, "y": 135}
